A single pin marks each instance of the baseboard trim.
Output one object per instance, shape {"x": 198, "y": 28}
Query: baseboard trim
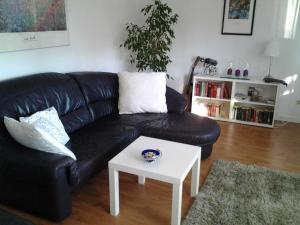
{"x": 289, "y": 119}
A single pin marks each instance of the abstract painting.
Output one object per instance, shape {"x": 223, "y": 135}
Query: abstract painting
{"x": 238, "y": 17}
{"x": 26, "y": 24}
{"x": 239, "y": 9}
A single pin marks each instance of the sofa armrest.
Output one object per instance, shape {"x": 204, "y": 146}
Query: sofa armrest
{"x": 34, "y": 181}
{"x": 175, "y": 101}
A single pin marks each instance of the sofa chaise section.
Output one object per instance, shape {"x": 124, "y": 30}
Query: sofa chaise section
{"x": 100, "y": 92}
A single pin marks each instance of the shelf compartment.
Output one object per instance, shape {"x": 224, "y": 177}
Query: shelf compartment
{"x": 206, "y": 107}
{"x": 264, "y": 92}
{"x": 212, "y": 89}
{"x": 259, "y": 114}
{"x": 252, "y": 102}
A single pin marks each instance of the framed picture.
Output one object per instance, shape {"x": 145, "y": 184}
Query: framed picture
{"x": 30, "y": 24}
{"x": 238, "y": 17}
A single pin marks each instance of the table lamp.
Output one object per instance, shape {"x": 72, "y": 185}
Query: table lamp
{"x": 272, "y": 50}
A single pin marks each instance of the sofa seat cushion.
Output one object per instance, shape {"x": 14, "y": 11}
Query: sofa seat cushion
{"x": 185, "y": 128}
{"x": 95, "y": 144}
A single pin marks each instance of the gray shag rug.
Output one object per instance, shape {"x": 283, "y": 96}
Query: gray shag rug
{"x": 237, "y": 194}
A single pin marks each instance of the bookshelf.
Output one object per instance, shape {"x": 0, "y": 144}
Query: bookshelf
{"x": 249, "y": 102}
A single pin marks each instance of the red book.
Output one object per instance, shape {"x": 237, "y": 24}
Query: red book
{"x": 209, "y": 90}
{"x": 226, "y": 92}
{"x": 212, "y": 92}
{"x": 215, "y": 90}
{"x": 206, "y": 89}
{"x": 195, "y": 90}
{"x": 222, "y": 90}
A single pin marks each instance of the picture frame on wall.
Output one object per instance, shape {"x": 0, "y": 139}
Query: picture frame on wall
{"x": 238, "y": 17}
{"x": 33, "y": 24}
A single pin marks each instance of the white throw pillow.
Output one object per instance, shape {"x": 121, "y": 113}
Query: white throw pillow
{"x": 49, "y": 121}
{"x": 35, "y": 138}
{"x": 142, "y": 93}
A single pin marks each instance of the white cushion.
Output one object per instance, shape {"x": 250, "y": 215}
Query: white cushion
{"x": 49, "y": 121}
{"x": 142, "y": 93}
{"x": 35, "y": 138}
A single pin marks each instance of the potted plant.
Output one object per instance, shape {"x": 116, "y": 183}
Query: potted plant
{"x": 150, "y": 44}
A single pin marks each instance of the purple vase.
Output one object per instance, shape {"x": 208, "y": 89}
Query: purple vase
{"x": 229, "y": 72}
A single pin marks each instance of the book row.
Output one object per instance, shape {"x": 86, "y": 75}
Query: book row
{"x": 253, "y": 115}
{"x": 212, "y": 89}
{"x": 215, "y": 110}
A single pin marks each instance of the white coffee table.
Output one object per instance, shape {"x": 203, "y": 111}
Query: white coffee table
{"x": 176, "y": 162}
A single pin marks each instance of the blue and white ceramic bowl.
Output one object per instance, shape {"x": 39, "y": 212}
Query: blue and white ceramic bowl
{"x": 151, "y": 155}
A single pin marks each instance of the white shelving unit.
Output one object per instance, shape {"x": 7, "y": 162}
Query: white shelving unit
{"x": 230, "y": 104}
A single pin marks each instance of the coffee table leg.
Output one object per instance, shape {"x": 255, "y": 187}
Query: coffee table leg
{"x": 141, "y": 180}
{"x": 195, "y": 177}
{"x": 176, "y": 204}
{"x": 114, "y": 192}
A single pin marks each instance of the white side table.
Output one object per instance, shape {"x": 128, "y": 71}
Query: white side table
{"x": 176, "y": 162}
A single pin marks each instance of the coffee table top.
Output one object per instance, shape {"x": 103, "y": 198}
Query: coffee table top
{"x": 176, "y": 161}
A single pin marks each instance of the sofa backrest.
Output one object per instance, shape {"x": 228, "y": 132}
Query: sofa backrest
{"x": 27, "y": 95}
{"x": 79, "y": 97}
{"x": 100, "y": 90}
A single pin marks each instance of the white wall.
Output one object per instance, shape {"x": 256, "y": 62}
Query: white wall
{"x": 199, "y": 33}
{"x": 96, "y": 32}
{"x": 287, "y": 66}
{"x": 97, "y": 29}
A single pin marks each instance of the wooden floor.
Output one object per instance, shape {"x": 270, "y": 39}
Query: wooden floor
{"x": 277, "y": 148}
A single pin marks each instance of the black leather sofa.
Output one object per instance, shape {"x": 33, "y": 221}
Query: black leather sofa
{"x": 41, "y": 183}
